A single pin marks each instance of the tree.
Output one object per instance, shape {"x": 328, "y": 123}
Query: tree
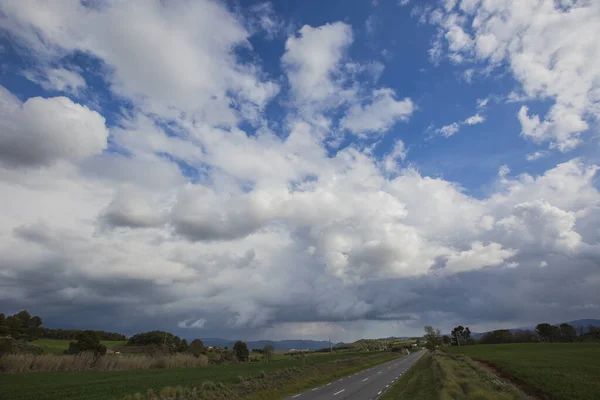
{"x": 197, "y": 347}
{"x": 544, "y": 331}
{"x": 461, "y": 335}
{"x": 498, "y": 336}
{"x": 525, "y": 336}
{"x": 432, "y": 336}
{"x": 87, "y": 341}
{"x": 447, "y": 340}
{"x": 241, "y": 351}
{"x": 268, "y": 352}
{"x": 568, "y": 332}
{"x": 164, "y": 340}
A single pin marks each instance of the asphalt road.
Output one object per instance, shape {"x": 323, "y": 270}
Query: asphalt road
{"x": 364, "y": 385}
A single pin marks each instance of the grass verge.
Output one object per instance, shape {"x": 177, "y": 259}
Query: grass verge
{"x": 268, "y": 386}
{"x": 563, "y": 371}
{"x": 443, "y": 376}
{"x": 110, "y": 385}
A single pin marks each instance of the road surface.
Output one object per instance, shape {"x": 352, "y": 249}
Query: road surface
{"x": 364, "y": 385}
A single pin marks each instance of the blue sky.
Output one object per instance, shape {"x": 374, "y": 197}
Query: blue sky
{"x": 353, "y": 158}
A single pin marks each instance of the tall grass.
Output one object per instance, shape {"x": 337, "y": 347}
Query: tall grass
{"x": 442, "y": 376}
{"x": 14, "y": 363}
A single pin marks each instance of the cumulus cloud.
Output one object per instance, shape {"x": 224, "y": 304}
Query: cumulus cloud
{"x": 548, "y": 47}
{"x": 190, "y": 71}
{"x": 313, "y": 57}
{"x": 42, "y": 131}
{"x": 379, "y": 115}
{"x": 191, "y": 214}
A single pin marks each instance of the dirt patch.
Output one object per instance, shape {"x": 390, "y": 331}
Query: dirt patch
{"x": 520, "y": 383}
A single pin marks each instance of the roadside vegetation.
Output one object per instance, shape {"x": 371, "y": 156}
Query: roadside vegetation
{"x": 107, "y": 385}
{"x": 438, "y": 375}
{"x": 273, "y": 386}
{"x": 546, "y": 370}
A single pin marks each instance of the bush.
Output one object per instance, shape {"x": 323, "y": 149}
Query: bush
{"x": 87, "y": 341}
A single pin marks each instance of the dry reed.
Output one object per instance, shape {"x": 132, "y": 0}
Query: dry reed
{"x": 15, "y": 363}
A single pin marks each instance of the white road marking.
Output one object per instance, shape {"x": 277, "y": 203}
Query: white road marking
{"x": 387, "y": 385}
{"x": 293, "y": 397}
{"x": 329, "y": 384}
{"x": 378, "y": 393}
{"x": 314, "y": 389}
{"x": 341, "y": 380}
{"x": 336, "y": 393}
{"x": 378, "y": 372}
{"x": 365, "y": 379}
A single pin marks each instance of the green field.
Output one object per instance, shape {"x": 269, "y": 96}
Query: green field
{"x": 107, "y": 385}
{"x": 54, "y": 346}
{"x": 562, "y": 370}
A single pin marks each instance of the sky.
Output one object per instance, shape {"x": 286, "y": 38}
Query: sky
{"x": 299, "y": 169}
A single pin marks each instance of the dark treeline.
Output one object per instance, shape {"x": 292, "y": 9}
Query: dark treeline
{"x": 24, "y": 326}
{"x": 543, "y": 333}
{"x": 71, "y": 334}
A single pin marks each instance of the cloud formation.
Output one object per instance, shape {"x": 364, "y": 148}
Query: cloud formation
{"x": 195, "y": 202}
{"x": 549, "y": 48}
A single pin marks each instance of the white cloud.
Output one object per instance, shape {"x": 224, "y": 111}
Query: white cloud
{"x": 503, "y": 171}
{"x": 398, "y": 153}
{"x": 343, "y": 240}
{"x": 379, "y": 115}
{"x": 479, "y": 256}
{"x": 474, "y": 120}
{"x": 453, "y": 128}
{"x": 482, "y": 103}
{"x": 42, "y": 131}
{"x": 312, "y": 57}
{"x": 59, "y": 79}
{"x": 167, "y": 60}
{"x": 551, "y": 51}
{"x": 536, "y": 155}
{"x": 449, "y": 130}
{"x": 191, "y": 323}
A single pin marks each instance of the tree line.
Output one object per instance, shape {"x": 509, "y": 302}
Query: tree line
{"x": 24, "y": 326}
{"x": 544, "y": 332}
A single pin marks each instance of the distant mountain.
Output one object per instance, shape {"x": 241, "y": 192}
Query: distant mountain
{"x": 277, "y": 344}
{"x": 576, "y": 324}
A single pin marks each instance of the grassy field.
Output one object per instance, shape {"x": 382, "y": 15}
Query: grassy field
{"x": 54, "y": 346}
{"x": 107, "y": 385}
{"x": 561, "y": 370}
{"x": 444, "y": 376}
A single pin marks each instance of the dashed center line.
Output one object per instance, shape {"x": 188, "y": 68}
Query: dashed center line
{"x": 378, "y": 393}
{"x": 336, "y": 393}
{"x": 365, "y": 379}
{"x": 378, "y": 372}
